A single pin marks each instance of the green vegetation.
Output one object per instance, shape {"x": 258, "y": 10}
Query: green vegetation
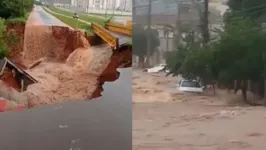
{"x": 139, "y": 38}
{"x": 82, "y": 16}
{"x": 109, "y": 15}
{"x": 72, "y": 22}
{"x": 236, "y": 55}
{"x": 15, "y": 8}
{"x": 3, "y": 46}
{"x": 19, "y": 20}
{"x": 12, "y": 12}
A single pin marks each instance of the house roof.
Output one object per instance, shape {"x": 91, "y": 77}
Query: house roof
{"x": 3, "y": 65}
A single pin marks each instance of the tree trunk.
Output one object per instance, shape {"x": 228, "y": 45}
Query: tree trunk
{"x": 167, "y": 41}
{"x": 249, "y": 85}
{"x": 244, "y": 91}
{"x": 237, "y": 86}
{"x": 147, "y": 62}
{"x": 264, "y": 92}
{"x": 141, "y": 62}
{"x": 158, "y": 57}
{"x": 213, "y": 88}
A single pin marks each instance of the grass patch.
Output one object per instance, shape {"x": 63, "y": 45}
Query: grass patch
{"x": 82, "y": 16}
{"x": 109, "y": 15}
{"x": 20, "y": 20}
{"x": 72, "y": 22}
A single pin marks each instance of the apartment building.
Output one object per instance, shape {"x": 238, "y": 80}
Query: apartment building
{"x": 97, "y": 4}
{"x": 125, "y": 5}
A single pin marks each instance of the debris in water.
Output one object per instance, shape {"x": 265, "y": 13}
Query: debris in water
{"x": 36, "y": 63}
{"x": 255, "y": 134}
{"x": 63, "y": 126}
{"x": 57, "y": 107}
{"x": 73, "y": 144}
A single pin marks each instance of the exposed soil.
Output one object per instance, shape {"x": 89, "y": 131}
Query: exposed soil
{"x": 166, "y": 119}
{"x": 15, "y": 41}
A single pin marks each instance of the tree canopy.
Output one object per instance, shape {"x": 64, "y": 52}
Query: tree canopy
{"x": 140, "y": 37}
{"x": 15, "y": 8}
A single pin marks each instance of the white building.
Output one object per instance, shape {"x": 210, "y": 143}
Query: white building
{"x": 101, "y": 4}
{"x": 125, "y": 5}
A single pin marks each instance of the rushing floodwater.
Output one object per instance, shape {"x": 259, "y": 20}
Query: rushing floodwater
{"x": 101, "y": 124}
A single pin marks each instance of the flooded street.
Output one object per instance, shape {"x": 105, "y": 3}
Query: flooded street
{"x": 165, "y": 119}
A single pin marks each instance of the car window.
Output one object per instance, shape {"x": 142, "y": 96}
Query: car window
{"x": 190, "y": 84}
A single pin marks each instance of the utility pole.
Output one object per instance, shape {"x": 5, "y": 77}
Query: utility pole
{"x": 149, "y": 35}
{"x": 206, "y": 35}
{"x": 178, "y": 22}
{"x": 133, "y": 9}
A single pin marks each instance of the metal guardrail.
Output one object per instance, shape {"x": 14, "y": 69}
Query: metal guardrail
{"x": 121, "y": 29}
{"x": 105, "y": 35}
{"x": 129, "y": 23}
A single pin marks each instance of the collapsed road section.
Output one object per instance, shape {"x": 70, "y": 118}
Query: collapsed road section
{"x": 63, "y": 65}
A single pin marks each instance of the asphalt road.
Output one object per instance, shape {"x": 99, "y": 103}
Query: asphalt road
{"x": 46, "y": 18}
{"x": 100, "y": 124}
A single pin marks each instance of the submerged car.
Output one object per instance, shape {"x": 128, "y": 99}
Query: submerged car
{"x": 190, "y": 86}
{"x": 157, "y": 68}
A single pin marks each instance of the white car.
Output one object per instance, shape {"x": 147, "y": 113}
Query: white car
{"x": 157, "y": 68}
{"x": 190, "y": 86}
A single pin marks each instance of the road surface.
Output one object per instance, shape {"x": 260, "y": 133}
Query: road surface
{"x": 41, "y": 17}
{"x": 99, "y": 124}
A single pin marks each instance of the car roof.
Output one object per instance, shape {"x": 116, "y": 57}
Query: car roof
{"x": 189, "y": 80}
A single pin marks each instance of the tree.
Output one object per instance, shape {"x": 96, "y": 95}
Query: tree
{"x": 15, "y": 8}
{"x": 239, "y": 52}
{"x": 139, "y": 38}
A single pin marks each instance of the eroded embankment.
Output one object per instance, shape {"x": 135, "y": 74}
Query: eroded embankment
{"x": 68, "y": 67}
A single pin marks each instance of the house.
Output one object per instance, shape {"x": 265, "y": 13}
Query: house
{"x": 15, "y": 76}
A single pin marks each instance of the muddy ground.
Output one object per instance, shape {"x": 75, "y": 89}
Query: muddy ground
{"x": 165, "y": 119}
